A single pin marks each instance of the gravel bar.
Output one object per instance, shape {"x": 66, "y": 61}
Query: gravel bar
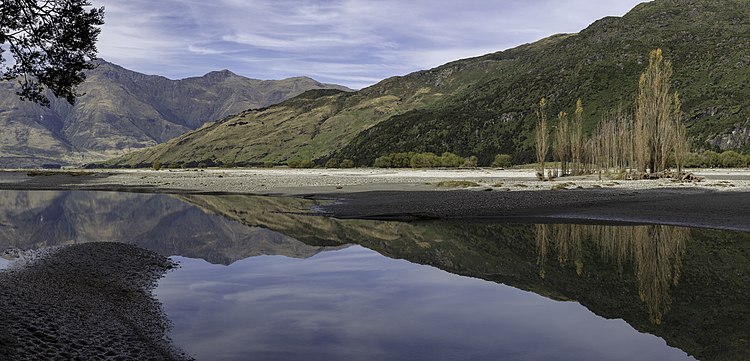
{"x": 85, "y": 302}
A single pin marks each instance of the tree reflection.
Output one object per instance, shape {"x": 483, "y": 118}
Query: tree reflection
{"x": 654, "y": 251}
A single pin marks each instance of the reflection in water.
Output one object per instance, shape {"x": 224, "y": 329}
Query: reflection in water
{"x": 36, "y": 219}
{"x": 354, "y": 304}
{"x": 695, "y": 282}
{"x": 655, "y": 251}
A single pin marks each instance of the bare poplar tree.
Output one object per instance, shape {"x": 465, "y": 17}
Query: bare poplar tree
{"x": 542, "y": 137}
{"x": 576, "y": 139}
{"x": 654, "y": 115}
{"x": 561, "y": 144}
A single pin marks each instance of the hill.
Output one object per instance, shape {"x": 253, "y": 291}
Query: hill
{"x": 121, "y": 110}
{"x": 482, "y": 106}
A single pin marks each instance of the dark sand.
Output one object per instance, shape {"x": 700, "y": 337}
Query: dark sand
{"x": 85, "y": 302}
{"x": 685, "y": 207}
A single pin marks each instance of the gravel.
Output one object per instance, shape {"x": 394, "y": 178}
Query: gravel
{"x": 85, "y": 302}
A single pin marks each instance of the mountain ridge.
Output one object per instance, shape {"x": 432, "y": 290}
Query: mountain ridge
{"x": 483, "y": 105}
{"x": 120, "y": 109}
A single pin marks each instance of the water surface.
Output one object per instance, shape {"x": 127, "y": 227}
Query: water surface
{"x": 259, "y": 280}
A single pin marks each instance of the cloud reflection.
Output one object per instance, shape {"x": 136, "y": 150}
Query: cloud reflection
{"x": 357, "y": 304}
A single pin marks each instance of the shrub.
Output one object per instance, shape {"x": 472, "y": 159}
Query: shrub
{"x": 301, "y": 163}
{"x": 457, "y": 184}
{"x": 156, "y": 165}
{"x": 451, "y": 160}
{"x": 268, "y": 165}
{"x": 332, "y": 163}
{"x": 425, "y": 160}
{"x": 385, "y": 161}
{"x": 470, "y": 162}
{"x": 711, "y": 159}
{"x": 732, "y": 159}
{"x": 502, "y": 160}
{"x": 347, "y": 163}
{"x": 401, "y": 160}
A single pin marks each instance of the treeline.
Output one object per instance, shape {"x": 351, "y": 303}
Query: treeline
{"x": 644, "y": 144}
{"x": 432, "y": 160}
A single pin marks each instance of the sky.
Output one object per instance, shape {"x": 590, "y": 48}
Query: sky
{"x": 355, "y": 43}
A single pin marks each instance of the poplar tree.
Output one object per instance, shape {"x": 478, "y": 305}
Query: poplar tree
{"x": 542, "y": 137}
{"x": 561, "y": 145}
{"x": 576, "y": 139}
{"x": 656, "y": 115}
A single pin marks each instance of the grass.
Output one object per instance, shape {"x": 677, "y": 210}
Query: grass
{"x": 457, "y": 184}
{"x": 563, "y": 186}
{"x": 46, "y": 173}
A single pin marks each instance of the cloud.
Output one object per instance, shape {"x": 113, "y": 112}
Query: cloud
{"x": 351, "y": 42}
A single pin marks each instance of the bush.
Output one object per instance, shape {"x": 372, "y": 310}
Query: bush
{"x": 385, "y": 161}
{"x": 732, "y": 159}
{"x": 402, "y": 160}
{"x": 156, "y": 165}
{"x": 451, "y": 160}
{"x": 347, "y": 163}
{"x": 332, "y": 163}
{"x": 425, "y": 160}
{"x": 502, "y": 161}
{"x": 470, "y": 162}
{"x": 301, "y": 163}
{"x": 711, "y": 159}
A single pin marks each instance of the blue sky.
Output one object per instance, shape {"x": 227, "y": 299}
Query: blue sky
{"x": 350, "y": 42}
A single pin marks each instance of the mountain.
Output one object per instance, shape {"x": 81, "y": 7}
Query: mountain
{"x": 483, "y": 106}
{"x": 121, "y": 110}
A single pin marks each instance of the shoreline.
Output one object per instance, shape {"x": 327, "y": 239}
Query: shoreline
{"x": 721, "y": 201}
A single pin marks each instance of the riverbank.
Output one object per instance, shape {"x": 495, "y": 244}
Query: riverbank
{"x": 284, "y": 181}
{"x": 721, "y": 200}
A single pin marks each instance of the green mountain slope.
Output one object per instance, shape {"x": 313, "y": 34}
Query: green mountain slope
{"x": 121, "y": 110}
{"x": 482, "y": 106}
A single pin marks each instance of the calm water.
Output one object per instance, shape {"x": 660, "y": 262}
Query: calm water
{"x": 257, "y": 282}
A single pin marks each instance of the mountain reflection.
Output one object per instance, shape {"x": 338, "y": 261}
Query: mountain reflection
{"x": 688, "y": 286}
{"x": 36, "y": 219}
{"x": 654, "y": 251}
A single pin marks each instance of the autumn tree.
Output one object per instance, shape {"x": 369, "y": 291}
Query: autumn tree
{"x": 542, "y": 137}
{"x": 47, "y": 45}
{"x": 561, "y": 144}
{"x": 576, "y": 139}
{"x": 656, "y": 115}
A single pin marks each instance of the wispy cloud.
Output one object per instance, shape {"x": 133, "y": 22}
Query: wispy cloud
{"x": 351, "y": 42}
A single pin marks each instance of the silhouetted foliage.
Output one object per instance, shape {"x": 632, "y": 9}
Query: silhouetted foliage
{"x": 51, "y": 43}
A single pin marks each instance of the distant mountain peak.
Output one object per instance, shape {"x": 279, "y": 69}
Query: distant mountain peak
{"x": 122, "y": 110}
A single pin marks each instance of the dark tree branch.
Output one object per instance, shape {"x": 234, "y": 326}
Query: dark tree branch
{"x": 52, "y": 42}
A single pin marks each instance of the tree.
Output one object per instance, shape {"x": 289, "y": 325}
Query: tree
{"x": 50, "y": 42}
{"x": 657, "y": 115}
{"x": 561, "y": 143}
{"x": 576, "y": 139}
{"x": 502, "y": 161}
{"x": 541, "y": 137}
